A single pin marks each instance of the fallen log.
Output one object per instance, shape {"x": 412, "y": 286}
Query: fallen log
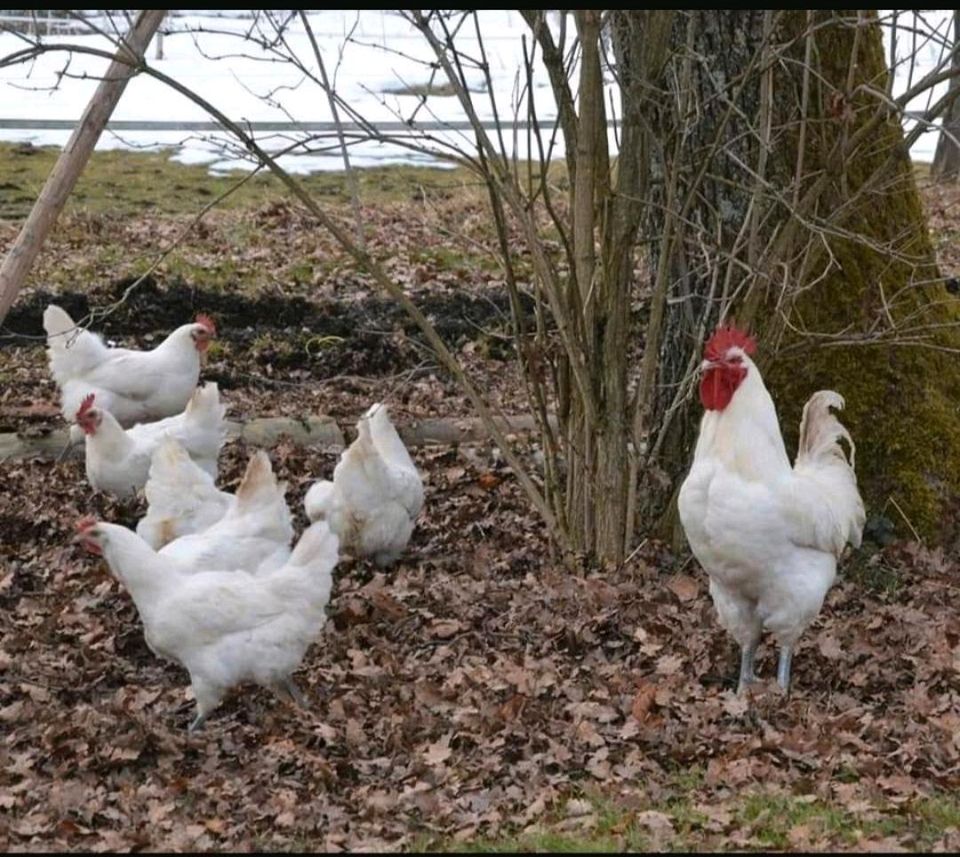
{"x": 321, "y": 432}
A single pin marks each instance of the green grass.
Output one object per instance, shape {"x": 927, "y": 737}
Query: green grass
{"x": 127, "y": 183}
{"x": 765, "y": 820}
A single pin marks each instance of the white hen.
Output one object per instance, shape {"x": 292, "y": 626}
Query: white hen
{"x": 134, "y": 386}
{"x": 118, "y": 460}
{"x": 225, "y": 627}
{"x": 182, "y": 498}
{"x": 376, "y": 493}
{"x": 768, "y": 535}
{"x": 255, "y": 533}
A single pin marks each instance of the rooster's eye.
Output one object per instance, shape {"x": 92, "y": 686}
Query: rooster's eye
{"x": 736, "y": 358}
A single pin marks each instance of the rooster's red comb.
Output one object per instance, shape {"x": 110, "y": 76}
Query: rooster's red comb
{"x": 85, "y": 405}
{"x": 87, "y": 522}
{"x": 725, "y": 337}
{"x": 205, "y": 321}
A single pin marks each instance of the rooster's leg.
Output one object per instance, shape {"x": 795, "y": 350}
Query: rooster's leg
{"x": 197, "y": 722}
{"x": 288, "y": 691}
{"x": 747, "y": 675}
{"x": 783, "y": 667}
{"x": 295, "y": 692}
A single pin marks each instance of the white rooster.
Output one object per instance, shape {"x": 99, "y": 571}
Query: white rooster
{"x": 182, "y": 498}
{"x": 376, "y": 493}
{"x": 134, "y": 386}
{"x": 118, "y": 459}
{"x": 253, "y": 535}
{"x": 768, "y": 535}
{"x": 225, "y": 627}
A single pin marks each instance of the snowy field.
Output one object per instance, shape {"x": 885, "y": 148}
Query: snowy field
{"x": 368, "y": 53}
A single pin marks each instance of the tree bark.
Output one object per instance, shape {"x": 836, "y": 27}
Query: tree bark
{"x": 807, "y": 225}
{"x": 946, "y": 161}
{"x": 74, "y": 158}
{"x": 710, "y": 203}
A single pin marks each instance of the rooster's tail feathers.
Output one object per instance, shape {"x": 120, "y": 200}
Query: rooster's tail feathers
{"x": 821, "y": 431}
{"x": 821, "y": 455}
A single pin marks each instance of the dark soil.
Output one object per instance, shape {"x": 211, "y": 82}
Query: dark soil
{"x": 373, "y": 334}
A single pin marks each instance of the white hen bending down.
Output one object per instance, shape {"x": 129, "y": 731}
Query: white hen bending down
{"x": 768, "y": 535}
{"x": 182, "y": 497}
{"x": 225, "y": 627}
{"x": 255, "y": 533}
{"x": 117, "y": 460}
{"x": 376, "y": 493}
{"x": 134, "y": 386}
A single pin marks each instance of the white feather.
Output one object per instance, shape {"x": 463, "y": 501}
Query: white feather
{"x": 769, "y": 534}
{"x": 226, "y": 627}
{"x": 376, "y": 494}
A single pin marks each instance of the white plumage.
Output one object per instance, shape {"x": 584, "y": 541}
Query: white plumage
{"x": 182, "y": 498}
{"x": 376, "y": 494}
{"x": 768, "y": 534}
{"x": 253, "y": 535}
{"x": 118, "y": 459}
{"x": 225, "y": 627}
{"x": 134, "y": 386}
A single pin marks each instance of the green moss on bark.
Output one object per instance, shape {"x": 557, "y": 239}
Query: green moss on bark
{"x": 903, "y": 400}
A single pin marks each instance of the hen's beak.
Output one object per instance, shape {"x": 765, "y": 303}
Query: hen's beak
{"x": 84, "y": 541}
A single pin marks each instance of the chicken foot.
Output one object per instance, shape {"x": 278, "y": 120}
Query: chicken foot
{"x": 783, "y": 668}
{"x": 747, "y": 675}
{"x": 288, "y": 691}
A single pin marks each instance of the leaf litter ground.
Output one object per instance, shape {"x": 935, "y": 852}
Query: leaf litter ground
{"x": 476, "y": 691}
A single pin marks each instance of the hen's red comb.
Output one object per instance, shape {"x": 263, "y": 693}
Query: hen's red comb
{"x": 205, "y": 321}
{"x": 85, "y": 405}
{"x": 87, "y": 522}
{"x": 726, "y": 337}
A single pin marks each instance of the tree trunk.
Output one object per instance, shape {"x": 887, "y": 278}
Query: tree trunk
{"x": 808, "y": 226}
{"x": 74, "y": 158}
{"x": 711, "y": 48}
{"x": 946, "y": 161}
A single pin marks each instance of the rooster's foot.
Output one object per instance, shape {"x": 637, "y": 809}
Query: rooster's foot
{"x": 783, "y": 668}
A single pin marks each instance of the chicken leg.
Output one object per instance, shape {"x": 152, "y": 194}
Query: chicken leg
{"x": 288, "y": 691}
{"x": 783, "y": 668}
{"x": 747, "y": 675}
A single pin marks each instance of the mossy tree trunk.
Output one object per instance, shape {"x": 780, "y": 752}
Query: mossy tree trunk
{"x": 808, "y": 226}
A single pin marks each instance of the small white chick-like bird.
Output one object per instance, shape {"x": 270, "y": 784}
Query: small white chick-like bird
{"x": 253, "y": 535}
{"x": 768, "y": 534}
{"x": 376, "y": 493}
{"x": 118, "y": 459}
{"x": 182, "y": 498}
{"x": 134, "y": 386}
{"x": 224, "y": 627}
